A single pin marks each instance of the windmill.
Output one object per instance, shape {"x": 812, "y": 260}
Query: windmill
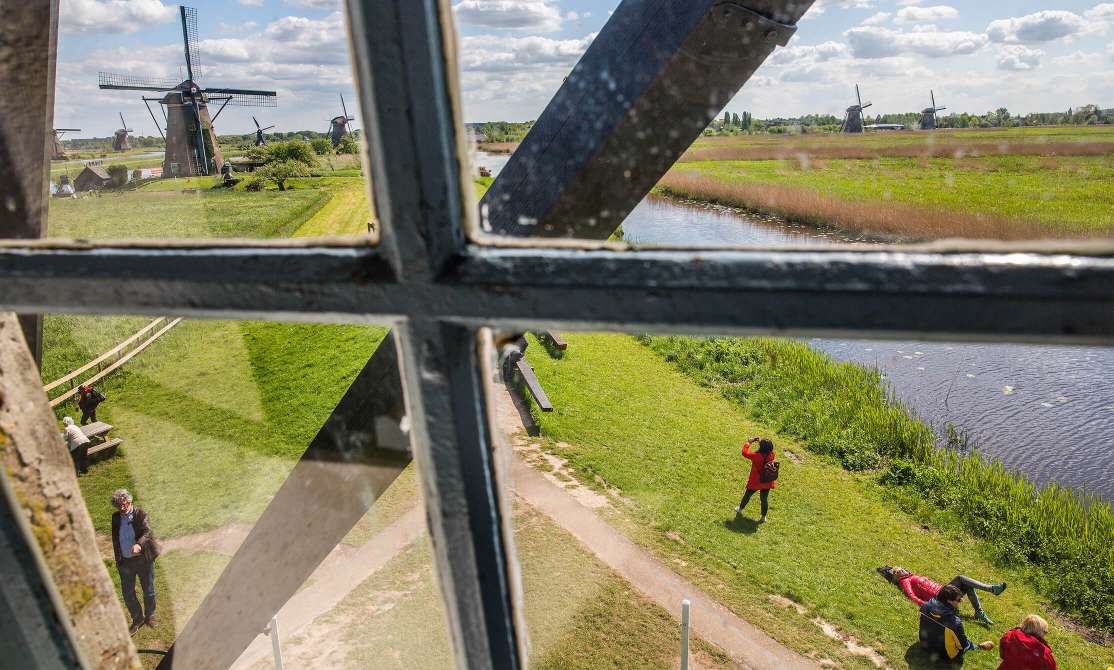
{"x": 191, "y": 141}
{"x": 120, "y": 139}
{"x": 338, "y": 126}
{"x": 259, "y": 139}
{"x": 57, "y": 151}
{"x": 928, "y": 116}
{"x": 853, "y": 121}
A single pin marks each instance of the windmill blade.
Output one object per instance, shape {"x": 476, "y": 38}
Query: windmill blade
{"x": 266, "y": 129}
{"x": 342, "y": 106}
{"x": 67, "y": 130}
{"x": 940, "y": 109}
{"x": 189, "y": 40}
{"x": 128, "y": 82}
{"x": 869, "y": 104}
{"x": 242, "y": 97}
{"x": 256, "y": 122}
{"x": 858, "y": 96}
{"x": 123, "y": 123}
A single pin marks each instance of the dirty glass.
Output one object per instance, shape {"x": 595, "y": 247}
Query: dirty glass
{"x": 850, "y": 133}
{"x": 204, "y": 422}
{"x": 216, "y": 120}
{"x": 948, "y": 459}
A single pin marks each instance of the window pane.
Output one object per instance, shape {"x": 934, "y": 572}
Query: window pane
{"x": 946, "y": 459}
{"x": 802, "y": 155}
{"x": 255, "y": 137}
{"x": 203, "y": 422}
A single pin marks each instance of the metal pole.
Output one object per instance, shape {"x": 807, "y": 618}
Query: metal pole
{"x": 276, "y": 643}
{"x": 685, "y": 634}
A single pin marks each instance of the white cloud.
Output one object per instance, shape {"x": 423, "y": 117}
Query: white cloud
{"x": 539, "y": 15}
{"x": 251, "y": 3}
{"x": 113, "y": 16}
{"x": 315, "y": 4}
{"x": 1081, "y": 59}
{"x": 877, "y": 19}
{"x": 811, "y": 53}
{"x": 878, "y": 42}
{"x": 490, "y": 53}
{"x": 1019, "y": 58}
{"x": 1103, "y": 12}
{"x": 1044, "y": 26}
{"x": 914, "y": 14}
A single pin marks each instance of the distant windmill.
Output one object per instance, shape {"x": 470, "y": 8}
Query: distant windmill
{"x": 191, "y": 141}
{"x": 120, "y": 139}
{"x": 928, "y": 116}
{"x": 853, "y": 121}
{"x": 57, "y": 151}
{"x": 338, "y": 126}
{"x": 259, "y": 139}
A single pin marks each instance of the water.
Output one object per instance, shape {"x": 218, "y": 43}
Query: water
{"x": 1045, "y": 411}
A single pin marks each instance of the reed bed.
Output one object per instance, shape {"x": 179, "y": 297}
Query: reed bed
{"x": 847, "y": 412}
{"x": 956, "y": 150}
{"x": 874, "y": 218}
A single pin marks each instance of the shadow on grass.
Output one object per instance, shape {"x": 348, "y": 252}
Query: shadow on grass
{"x": 741, "y": 524}
{"x": 919, "y": 659}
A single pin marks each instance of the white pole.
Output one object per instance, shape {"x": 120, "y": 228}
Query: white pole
{"x": 276, "y": 643}
{"x": 685, "y": 634}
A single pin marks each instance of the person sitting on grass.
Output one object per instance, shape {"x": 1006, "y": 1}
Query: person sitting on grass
{"x": 1024, "y": 647}
{"x": 763, "y": 474}
{"x": 941, "y": 630}
{"x": 921, "y": 589}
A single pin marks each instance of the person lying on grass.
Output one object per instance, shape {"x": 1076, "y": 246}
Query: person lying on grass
{"x": 763, "y": 474}
{"x": 921, "y": 589}
{"x": 941, "y": 630}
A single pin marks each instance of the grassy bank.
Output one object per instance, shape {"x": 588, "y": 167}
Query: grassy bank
{"x": 630, "y": 420}
{"x": 1001, "y": 197}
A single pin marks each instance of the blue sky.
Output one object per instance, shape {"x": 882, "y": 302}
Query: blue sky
{"x": 1027, "y": 55}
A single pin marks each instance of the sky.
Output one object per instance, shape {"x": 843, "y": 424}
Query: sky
{"x": 978, "y": 55}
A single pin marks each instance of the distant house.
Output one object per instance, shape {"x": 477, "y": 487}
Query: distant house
{"x": 92, "y": 178}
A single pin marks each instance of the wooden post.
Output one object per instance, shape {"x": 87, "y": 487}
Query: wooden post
{"x": 28, "y": 54}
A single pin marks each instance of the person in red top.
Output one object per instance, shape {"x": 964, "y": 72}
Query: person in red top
{"x": 921, "y": 589}
{"x": 758, "y": 460}
{"x": 1024, "y": 647}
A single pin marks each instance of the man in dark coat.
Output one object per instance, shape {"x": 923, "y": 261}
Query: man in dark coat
{"x": 135, "y": 550}
{"x": 941, "y": 629}
{"x": 87, "y": 399}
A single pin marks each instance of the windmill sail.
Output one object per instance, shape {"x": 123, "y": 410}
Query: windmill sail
{"x": 189, "y": 39}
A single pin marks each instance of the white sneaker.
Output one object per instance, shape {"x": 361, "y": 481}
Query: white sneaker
{"x": 762, "y": 519}
{"x": 738, "y": 510}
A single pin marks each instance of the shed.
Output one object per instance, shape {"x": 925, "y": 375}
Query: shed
{"x": 91, "y": 178}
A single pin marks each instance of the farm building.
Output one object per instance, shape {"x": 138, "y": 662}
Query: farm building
{"x": 93, "y": 177}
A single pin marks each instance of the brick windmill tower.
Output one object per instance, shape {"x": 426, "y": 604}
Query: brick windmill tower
{"x": 120, "y": 139}
{"x": 928, "y": 116}
{"x": 57, "y": 151}
{"x": 339, "y": 125}
{"x": 853, "y": 121}
{"x": 191, "y": 141}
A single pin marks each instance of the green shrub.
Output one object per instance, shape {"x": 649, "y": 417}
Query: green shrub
{"x": 255, "y": 185}
{"x": 322, "y": 146}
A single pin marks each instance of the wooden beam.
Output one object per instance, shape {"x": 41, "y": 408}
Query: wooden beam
{"x": 103, "y": 357}
{"x": 349, "y": 464}
{"x": 648, "y": 86}
{"x": 28, "y": 54}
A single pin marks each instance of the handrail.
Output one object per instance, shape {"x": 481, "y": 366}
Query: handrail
{"x": 103, "y": 356}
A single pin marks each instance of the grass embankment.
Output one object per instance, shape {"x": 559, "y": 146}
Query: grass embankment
{"x": 579, "y": 614}
{"x": 1020, "y": 185}
{"x": 670, "y": 446}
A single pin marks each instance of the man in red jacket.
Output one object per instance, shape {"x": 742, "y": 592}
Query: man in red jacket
{"x": 921, "y": 589}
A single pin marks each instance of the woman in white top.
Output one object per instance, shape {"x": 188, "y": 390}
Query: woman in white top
{"x": 78, "y": 443}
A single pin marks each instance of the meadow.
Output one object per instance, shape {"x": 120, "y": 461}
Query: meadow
{"x": 1008, "y": 184}
{"x": 665, "y": 449}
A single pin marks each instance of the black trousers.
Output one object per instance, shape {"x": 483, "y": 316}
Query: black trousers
{"x": 80, "y": 457}
{"x": 763, "y": 496}
{"x": 130, "y": 569}
{"x": 88, "y": 413}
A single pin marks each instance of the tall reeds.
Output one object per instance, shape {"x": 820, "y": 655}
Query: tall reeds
{"x": 848, "y": 412}
{"x": 828, "y": 151}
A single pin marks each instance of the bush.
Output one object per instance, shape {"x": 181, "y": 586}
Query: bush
{"x": 348, "y": 145}
{"x": 322, "y": 146}
{"x": 119, "y": 175}
{"x": 295, "y": 151}
{"x": 278, "y": 172}
{"x": 255, "y": 185}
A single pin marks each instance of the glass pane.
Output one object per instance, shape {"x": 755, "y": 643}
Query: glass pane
{"x": 255, "y": 137}
{"x": 945, "y": 459}
{"x": 202, "y": 422}
{"x": 846, "y": 135}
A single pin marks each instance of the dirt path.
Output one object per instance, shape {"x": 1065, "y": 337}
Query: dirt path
{"x": 713, "y": 622}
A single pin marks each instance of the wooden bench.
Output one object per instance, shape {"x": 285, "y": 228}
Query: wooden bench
{"x": 97, "y": 432}
{"x": 533, "y": 385}
{"x": 557, "y": 340}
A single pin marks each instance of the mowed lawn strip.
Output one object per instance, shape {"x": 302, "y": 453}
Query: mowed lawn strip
{"x": 672, "y": 449}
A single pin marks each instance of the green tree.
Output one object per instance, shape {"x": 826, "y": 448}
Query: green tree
{"x": 726, "y": 119}
{"x": 348, "y": 145}
{"x": 278, "y": 172}
{"x": 119, "y": 175}
{"x": 321, "y": 146}
{"x": 296, "y": 151}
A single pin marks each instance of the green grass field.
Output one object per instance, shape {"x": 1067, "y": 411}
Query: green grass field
{"x": 631, "y": 421}
{"x": 1070, "y": 194}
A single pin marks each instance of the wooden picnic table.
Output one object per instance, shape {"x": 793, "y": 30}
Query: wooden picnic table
{"x": 97, "y": 432}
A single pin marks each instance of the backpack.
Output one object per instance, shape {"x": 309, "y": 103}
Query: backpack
{"x": 769, "y": 472}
